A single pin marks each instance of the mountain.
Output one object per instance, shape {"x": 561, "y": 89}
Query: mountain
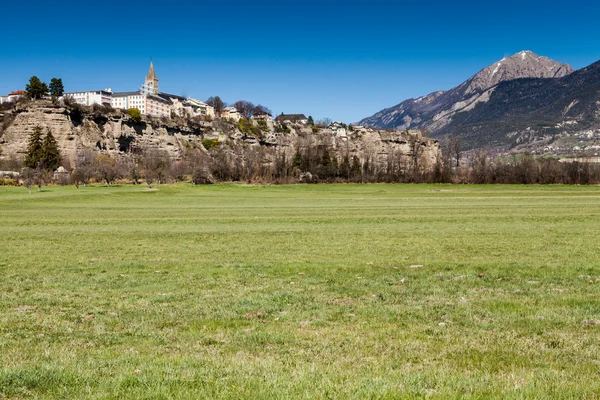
{"x": 436, "y": 111}
{"x": 531, "y": 109}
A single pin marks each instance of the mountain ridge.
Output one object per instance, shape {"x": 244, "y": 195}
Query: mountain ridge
{"x": 433, "y": 112}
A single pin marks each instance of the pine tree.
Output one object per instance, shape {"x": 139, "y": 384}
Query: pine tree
{"x": 50, "y": 152}
{"x": 36, "y": 89}
{"x": 34, "y": 149}
{"x": 56, "y": 88}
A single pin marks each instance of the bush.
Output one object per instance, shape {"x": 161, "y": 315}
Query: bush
{"x": 7, "y": 182}
{"x": 135, "y": 115}
{"x": 103, "y": 109}
{"x": 282, "y": 128}
{"x": 262, "y": 124}
{"x": 248, "y": 128}
{"x": 210, "y": 143}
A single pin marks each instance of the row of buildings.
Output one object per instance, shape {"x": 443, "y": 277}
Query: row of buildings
{"x": 148, "y": 99}
{"x": 152, "y": 102}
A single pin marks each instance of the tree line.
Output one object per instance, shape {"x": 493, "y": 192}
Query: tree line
{"x": 36, "y": 89}
{"x": 246, "y": 108}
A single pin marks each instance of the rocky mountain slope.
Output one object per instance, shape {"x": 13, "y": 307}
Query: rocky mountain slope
{"x": 527, "y": 110}
{"x": 113, "y": 133}
{"x": 437, "y": 110}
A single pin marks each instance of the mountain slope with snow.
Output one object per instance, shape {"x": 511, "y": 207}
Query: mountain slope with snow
{"x": 435, "y": 111}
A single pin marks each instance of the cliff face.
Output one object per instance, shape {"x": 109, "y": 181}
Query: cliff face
{"x": 114, "y": 133}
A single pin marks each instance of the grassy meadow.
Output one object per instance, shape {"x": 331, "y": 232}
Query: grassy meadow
{"x": 284, "y": 292}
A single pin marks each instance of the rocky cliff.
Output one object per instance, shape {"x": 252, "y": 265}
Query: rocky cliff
{"x": 114, "y": 133}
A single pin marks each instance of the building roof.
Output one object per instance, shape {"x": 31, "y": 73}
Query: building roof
{"x": 124, "y": 94}
{"x": 168, "y": 96}
{"x": 18, "y": 93}
{"x": 290, "y": 117}
{"x": 159, "y": 98}
{"x": 197, "y": 103}
{"x": 87, "y": 91}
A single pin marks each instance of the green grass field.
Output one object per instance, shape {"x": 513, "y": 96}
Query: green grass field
{"x": 236, "y": 291}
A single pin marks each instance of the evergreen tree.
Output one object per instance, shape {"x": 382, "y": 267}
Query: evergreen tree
{"x": 311, "y": 121}
{"x": 50, "y": 152}
{"x": 56, "y": 88}
{"x": 34, "y": 149}
{"x": 36, "y": 89}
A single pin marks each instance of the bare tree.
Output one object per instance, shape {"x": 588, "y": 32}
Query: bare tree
{"x": 455, "y": 146}
{"x": 480, "y": 168}
{"x": 198, "y": 168}
{"x": 106, "y": 168}
{"x": 84, "y": 167}
{"x": 216, "y": 103}
{"x": 261, "y": 110}
{"x": 245, "y": 108}
{"x": 155, "y": 166}
{"x": 28, "y": 176}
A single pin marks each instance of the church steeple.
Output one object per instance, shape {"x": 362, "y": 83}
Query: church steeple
{"x": 152, "y": 80}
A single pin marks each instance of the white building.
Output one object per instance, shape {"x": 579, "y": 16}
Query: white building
{"x": 200, "y": 108}
{"x": 12, "y": 97}
{"x": 127, "y": 100}
{"x": 262, "y": 117}
{"x": 91, "y": 97}
{"x": 231, "y": 113}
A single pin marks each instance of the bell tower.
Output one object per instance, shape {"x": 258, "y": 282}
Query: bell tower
{"x": 151, "y": 83}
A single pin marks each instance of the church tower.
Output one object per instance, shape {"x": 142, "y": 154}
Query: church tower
{"x": 151, "y": 83}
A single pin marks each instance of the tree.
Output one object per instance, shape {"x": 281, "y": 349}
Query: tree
{"x": 155, "y": 165}
{"x": 135, "y": 115}
{"x": 245, "y": 108}
{"x": 217, "y": 104}
{"x": 480, "y": 167}
{"x": 50, "y": 152}
{"x": 36, "y": 89}
{"x": 28, "y": 176}
{"x": 56, "y": 88}
{"x": 84, "y": 166}
{"x": 35, "y": 149}
{"x": 106, "y": 168}
{"x": 311, "y": 121}
{"x": 455, "y": 146}
{"x": 261, "y": 110}
{"x": 324, "y": 123}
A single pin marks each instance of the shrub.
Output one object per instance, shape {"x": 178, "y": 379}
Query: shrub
{"x": 135, "y": 115}
{"x": 248, "y": 128}
{"x": 282, "y": 128}
{"x": 7, "y": 182}
{"x": 262, "y": 124}
{"x": 210, "y": 143}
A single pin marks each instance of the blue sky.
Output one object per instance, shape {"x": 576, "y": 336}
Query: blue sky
{"x": 339, "y": 59}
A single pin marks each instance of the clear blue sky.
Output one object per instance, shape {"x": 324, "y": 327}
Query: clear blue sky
{"x": 339, "y": 59}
